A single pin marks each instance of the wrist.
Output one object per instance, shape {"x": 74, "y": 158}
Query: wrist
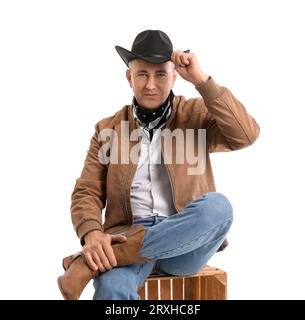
{"x": 201, "y": 78}
{"x": 91, "y": 234}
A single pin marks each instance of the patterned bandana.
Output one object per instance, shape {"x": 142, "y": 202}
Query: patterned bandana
{"x": 153, "y": 119}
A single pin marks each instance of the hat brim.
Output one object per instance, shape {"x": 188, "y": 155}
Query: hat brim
{"x": 127, "y": 56}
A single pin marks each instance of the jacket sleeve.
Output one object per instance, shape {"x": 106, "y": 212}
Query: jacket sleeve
{"x": 229, "y": 126}
{"x": 89, "y": 195}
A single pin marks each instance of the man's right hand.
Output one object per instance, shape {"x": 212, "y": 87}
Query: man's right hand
{"x": 98, "y": 251}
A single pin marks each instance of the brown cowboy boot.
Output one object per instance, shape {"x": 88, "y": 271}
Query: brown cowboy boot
{"x": 76, "y": 277}
{"x": 78, "y": 273}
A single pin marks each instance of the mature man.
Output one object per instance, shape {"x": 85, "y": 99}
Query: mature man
{"x": 149, "y": 165}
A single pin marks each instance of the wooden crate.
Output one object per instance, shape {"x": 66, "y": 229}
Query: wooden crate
{"x": 208, "y": 284}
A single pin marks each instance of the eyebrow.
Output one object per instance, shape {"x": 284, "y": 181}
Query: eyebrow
{"x": 160, "y": 70}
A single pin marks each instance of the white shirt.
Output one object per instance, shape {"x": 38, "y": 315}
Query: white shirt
{"x": 151, "y": 191}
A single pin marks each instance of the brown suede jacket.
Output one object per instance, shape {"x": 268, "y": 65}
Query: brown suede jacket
{"x": 228, "y": 127}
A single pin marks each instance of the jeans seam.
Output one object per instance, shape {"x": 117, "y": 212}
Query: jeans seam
{"x": 194, "y": 240}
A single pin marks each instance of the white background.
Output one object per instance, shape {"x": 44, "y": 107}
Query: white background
{"x": 60, "y": 74}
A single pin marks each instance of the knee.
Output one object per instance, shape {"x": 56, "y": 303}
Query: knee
{"x": 219, "y": 205}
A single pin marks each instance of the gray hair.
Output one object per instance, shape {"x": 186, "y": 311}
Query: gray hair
{"x": 129, "y": 64}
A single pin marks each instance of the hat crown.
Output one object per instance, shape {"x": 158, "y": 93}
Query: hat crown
{"x": 153, "y": 46}
{"x": 154, "y": 43}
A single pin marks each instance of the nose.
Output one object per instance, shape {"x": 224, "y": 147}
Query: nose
{"x": 150, "y": 83}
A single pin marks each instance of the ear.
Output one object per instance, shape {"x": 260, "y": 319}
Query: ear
{"x": 128, "y": 76}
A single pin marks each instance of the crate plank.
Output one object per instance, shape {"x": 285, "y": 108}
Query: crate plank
{"x": 208, "y": 284}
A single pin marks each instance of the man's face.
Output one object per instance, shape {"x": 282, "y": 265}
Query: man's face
{"x": 151, "y": 83}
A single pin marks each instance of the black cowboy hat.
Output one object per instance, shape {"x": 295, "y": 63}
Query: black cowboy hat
{"x": 153, "y": 46}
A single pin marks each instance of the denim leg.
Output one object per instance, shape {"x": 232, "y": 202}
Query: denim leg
{"x": 192, "y": 262}
{"x": 202, "y": 224}
{"x": 121, "y": 283}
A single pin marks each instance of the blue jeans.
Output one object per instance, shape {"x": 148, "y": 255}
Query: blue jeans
{"x": 180, "y": 244}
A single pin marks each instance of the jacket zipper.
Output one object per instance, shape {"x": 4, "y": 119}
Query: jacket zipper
{"x": 170, "y": 180}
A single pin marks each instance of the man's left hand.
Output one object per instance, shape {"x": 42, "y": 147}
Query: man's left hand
{"x": 188, "y": 67}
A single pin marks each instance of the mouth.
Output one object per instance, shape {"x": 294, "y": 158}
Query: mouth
{"x": 150, "y": 95}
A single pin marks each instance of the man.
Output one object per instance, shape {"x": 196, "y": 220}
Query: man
{"x": 162, "y": 212}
